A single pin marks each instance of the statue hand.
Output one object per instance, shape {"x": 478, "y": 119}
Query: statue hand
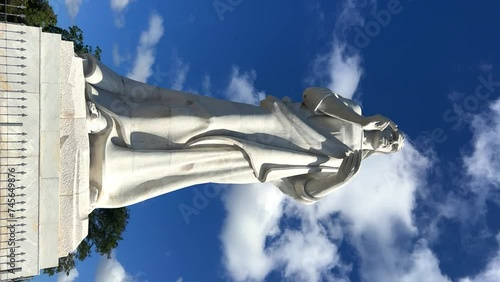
{"x": 350, "y": 165}
{"x": 378, "y": 122}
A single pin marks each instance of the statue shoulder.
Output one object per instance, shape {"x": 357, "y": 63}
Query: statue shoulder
{"x": 314, "y": 96}
{"x": 322, "y": 92}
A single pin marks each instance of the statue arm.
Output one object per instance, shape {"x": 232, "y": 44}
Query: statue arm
{"x": 323, "y": 101}
{"x": 310, "y": 190}
{"x": 316, "y": 188}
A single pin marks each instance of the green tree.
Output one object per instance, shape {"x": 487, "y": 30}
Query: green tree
{"x": 39, "y": 13}
{"x": 36, "y": 12}
{"x": 105, "y": 231}
{"x": 75, "y": 34}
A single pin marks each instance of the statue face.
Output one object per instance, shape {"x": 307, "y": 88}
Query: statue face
{"x": 386, "y": 141}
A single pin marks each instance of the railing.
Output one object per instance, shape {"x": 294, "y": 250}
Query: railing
{"x": 12, "y": 141}
{"x": 12, "y": 11}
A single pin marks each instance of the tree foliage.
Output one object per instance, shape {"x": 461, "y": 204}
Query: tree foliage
{"x": 37, "y": 12}
{"x": 105, "y": 231}
{"x": 75, "y": 34}
{"x": 40, "y": 13}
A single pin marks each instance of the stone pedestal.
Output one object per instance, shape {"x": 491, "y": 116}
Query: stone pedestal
{"x": 44, "y": 151}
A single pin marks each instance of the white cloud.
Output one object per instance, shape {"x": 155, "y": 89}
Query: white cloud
{"x": 62, "y": 277}
{"x": 480, "y": 181}
{"x": 384, "y": 189}
{"x": 142, "y": 68}
{"x": 241, "y": 87}
{"x": 467, "y": 203}
{"x": 110, "y": 270}
{"x": 120, "y": 20}
{"x": 118, "y": 7}
{"x": 338, "y": 70}
{"x": 73, "y": 7}
{"x": 117, "y": 57}
{"x": 351, "y": 15}
{"x": 178, "y": 73}
{"x": 253, "y": 214}
{"x": 345, "y": 71}
{"x": 206, "y": 85}
{"x": 492, "y": 271}
{"x": 307, "y": 254}
{"x": 484, "y": 163}
{"x": 376, "y": 209}
{"x": 423, "y": 266}
{"x": 483, "y": 166}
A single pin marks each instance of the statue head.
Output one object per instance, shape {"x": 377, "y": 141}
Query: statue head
{"x": 384, "y": 141}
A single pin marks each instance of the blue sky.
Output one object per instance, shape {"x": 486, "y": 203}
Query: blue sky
{"x": 429, "y": 213}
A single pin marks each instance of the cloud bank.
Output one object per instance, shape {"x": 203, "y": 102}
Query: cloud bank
{"x": 145, "y": 58}
{"x": 371, "y": 214}
{"x": 253, "y": 214}
{"x": 484, "y": 163}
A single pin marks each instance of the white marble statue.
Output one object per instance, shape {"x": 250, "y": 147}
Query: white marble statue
{"x": 147, "y": 141}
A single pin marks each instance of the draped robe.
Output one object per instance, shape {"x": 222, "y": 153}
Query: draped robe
{"x": 159, "y": 140}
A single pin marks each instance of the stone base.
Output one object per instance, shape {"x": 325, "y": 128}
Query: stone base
{"x": 43, "y": 103}
{"x": 74, "y": 186}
